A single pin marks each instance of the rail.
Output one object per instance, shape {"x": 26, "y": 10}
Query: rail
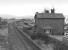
{"x": 30, "y": 41}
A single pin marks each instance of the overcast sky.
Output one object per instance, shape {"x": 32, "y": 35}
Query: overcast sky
{"x": 29, "y": 7}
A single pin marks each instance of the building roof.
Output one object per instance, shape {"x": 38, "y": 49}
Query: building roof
{"x": 49, "y": 15}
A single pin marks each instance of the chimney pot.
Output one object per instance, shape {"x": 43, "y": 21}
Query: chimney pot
{"x": 53, "y": 10}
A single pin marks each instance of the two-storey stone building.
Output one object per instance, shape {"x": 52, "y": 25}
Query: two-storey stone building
{"x": 52, "y": 23}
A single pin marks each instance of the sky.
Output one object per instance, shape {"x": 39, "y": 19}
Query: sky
{"x": 24, "y": 8}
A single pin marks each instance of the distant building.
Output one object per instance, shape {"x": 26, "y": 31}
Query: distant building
{"x": 52, "y": 23}
{"x": 0, "y": 19}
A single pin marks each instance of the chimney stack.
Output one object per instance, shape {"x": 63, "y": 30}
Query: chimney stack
{"x": 36, "y": 12}
{"x": 53, "y": 10}
{"x": 46, "y": 11}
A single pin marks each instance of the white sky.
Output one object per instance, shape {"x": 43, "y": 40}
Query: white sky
{"x": 29, "y": 7}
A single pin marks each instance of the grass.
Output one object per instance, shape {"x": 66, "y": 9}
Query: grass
{"x": 3, "y": 36}
{"x": 58, "y": 45}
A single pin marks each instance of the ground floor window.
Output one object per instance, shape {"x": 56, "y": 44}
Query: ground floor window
{"x": 47, "y": 31}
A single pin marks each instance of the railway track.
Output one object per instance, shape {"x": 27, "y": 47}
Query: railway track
{"x": 20, "y": 41}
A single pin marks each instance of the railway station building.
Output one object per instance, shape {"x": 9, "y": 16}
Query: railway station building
{"x": 50, "y": 22}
